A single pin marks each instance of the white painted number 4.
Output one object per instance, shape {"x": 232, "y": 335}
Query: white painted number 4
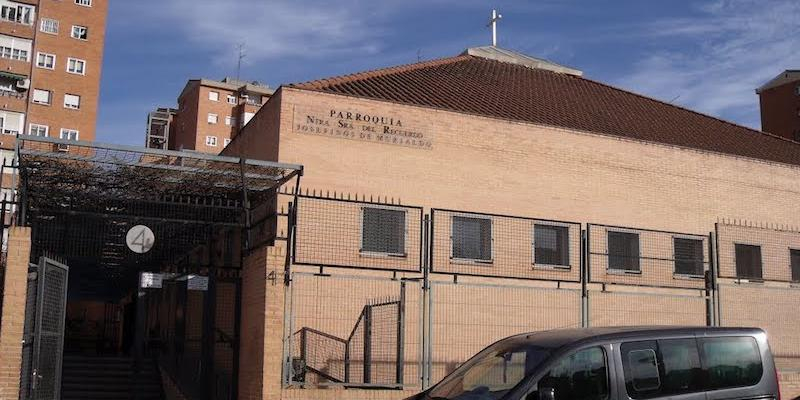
{"x": 140, "y": 239}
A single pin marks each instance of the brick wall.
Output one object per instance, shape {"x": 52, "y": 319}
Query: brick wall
{"x": 480, "y": 164}
{"x": 13, "y": 319}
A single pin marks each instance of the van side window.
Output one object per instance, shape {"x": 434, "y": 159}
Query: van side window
{"x": 581, "y": 376}
{"x": 731, "y": 361}
{"x": 661, "y": 368}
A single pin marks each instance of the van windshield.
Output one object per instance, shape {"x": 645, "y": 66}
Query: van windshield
{"x": 492, "y": 373}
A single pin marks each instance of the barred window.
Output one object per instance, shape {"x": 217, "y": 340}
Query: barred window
{"x": 383, "y": 231}
{"x": 623, "y": 251}
{"x": 472, "y": 238}
{"x": 688, "y": 256}
{"x": 748, "y": 261}
{"x": 794, "y": 255}
{"x": 551, "y": 245}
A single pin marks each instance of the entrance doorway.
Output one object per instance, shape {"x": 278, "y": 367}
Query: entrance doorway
{"x": 153, "y": 241}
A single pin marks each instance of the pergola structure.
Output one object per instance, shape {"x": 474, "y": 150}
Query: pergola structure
{"x": 81, "y": 198}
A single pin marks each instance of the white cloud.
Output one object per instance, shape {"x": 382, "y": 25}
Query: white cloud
{"x": 275, "y": 28}
{"x": 731, "y": 48}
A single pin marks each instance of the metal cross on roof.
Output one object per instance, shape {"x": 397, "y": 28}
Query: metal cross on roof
{"x": 493, "y": 24}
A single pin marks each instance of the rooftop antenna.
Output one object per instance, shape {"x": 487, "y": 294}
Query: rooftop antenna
{"x": 493, "y": 23}
{"x": 240, "y": 46}
{"x": 419, "y": 55}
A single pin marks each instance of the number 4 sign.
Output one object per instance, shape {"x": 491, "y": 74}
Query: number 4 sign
{"x": 140, "y": 239}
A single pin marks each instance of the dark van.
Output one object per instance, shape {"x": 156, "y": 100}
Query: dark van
{"x": 617, "y": 364}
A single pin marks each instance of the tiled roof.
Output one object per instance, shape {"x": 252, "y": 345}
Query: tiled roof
{"x": 491, "y": 88}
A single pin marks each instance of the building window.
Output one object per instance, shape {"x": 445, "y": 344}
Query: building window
{"x": 21, "y": 14}
{"x": 383, "y": 230}
{"x": 231, "y": 99}
{"x": 212, "y": 118}
{"x": 213, "y": 96}
{"x": 38, "y": 130}
{"x": 72, "y": 101}
{"x": 14, "y": 54}
{"x": 229, "y": 120}
{"x": 48, "y": 25}
{"x": 226, "y": 142}
{"x": 794, "y": 256}
{"x": 472, "y": 238}
{"x": 85, "y": 3}
{"x": 623, "y": 251}
{"x": 45, "y": 60}
{"x": 41, "y": 96}
{"x": 211, "y": 141}
{"x": 12, "y": 123}
{"x": 748, "y": 261}
{"x": 551, "y": 245}
{"x": 688, "y": 256}
{"x": 80, "y": 32}
{"x": 69, "y": 134}
{"x": 76, "y": 66}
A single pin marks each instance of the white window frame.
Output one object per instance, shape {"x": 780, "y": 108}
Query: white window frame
{"x": 226, "y": 142}
{"x": 40, "y": 54}
{"x": 232, "y": 100}
{"x": 213, "y": 95}
{"x": 69, "y": 132}
{"x": 71, "y": 107}
{"x": 212, "y": 118}
{"x": 618, "y": 271}
{"x": 458, "y": 260}
{"x": 49, "y": 22}
{"x": 210, "y": 142}
{"x": 49, "y": 97}
{"x": 14, "y": 48}
{"x": 84, "y": 3}
{"x": 85, "y": 31}
{"x": 370, "y": 253}
{"x": 703, "y": 260}
{"x": 228, "y": 120}
{"x": 31, "y": 127}
{"x": 20, "y": 6}
{"x": 76, "y": 61}
{"x": 536, "y": 265}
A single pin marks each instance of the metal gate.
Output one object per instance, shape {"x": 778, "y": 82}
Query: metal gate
{"x": 44, "y": 331}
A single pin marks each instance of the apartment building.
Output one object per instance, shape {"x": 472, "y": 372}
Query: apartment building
{"x": 159, "y": 124}
{"x": 210, "y": 114}
{"x": 50, "y": 64}
{"x": 780, "y": 105}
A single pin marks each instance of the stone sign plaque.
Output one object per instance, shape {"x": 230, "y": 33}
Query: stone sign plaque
{"x": 360, "y": 125}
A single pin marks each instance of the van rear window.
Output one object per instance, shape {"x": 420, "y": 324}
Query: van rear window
{"x": 731, "y": 361}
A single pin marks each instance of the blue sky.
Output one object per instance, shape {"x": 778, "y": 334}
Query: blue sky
{"x": 705, "y": 55}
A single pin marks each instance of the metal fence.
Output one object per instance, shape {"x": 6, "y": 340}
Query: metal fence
{"x": 353, "y": 331}
{"x": 619, "y": 308}
{"x": 484, "y": 277}
{"x": 191, "y": 327}
{"x": 465, "y": 317}
{"x": 645, "y": 257}
{"x": 774, "y": 309}
{"x": 489, "y": 245}
{"x": 358, "y": 234}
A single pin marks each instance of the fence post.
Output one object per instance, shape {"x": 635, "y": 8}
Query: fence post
{"x": 347, "y": 362}
{"x": 367, "y": 343}
{"x": 709, "y": 281}
{"x": 401, "y": 328}
{"x": 584, "y": 268}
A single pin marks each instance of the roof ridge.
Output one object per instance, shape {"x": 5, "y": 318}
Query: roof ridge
{"x": 335, "y": 80}
{"x": 687, "y": 109}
